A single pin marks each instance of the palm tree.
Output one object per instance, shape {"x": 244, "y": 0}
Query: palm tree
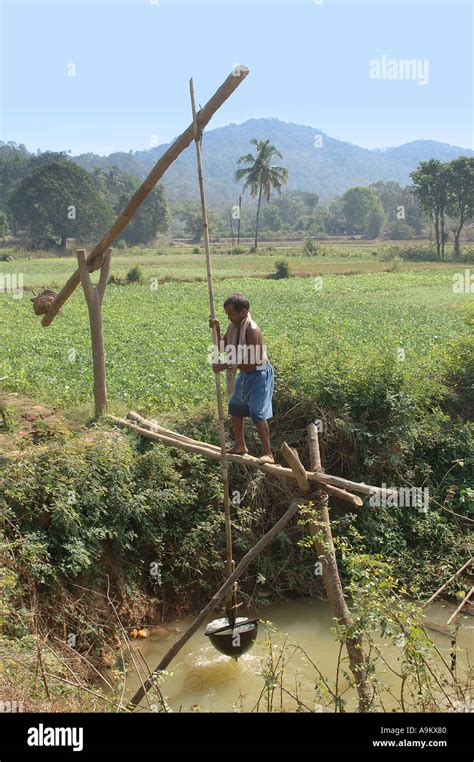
{"x": 261, "y": 176}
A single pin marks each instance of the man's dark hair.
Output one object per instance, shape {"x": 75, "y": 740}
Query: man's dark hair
{"x": 238, "y": 301}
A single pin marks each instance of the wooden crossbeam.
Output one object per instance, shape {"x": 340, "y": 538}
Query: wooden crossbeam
{"x": 183, "y": 141}
{"x": 333, "y": 485}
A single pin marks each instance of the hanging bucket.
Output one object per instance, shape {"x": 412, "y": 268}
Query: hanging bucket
{"x": 232, "y": 641}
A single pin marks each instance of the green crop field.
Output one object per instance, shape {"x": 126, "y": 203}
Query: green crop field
{"x": 325, "y": 336}
{"x": 183, "y": 264}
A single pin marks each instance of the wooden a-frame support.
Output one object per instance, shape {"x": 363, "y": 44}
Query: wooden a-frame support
{"x": 320, "y": 528}
{"x": 94, "y": 297}
{"x": 100, "y": 257}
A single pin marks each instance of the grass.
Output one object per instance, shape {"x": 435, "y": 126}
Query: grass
{"x": 182, "y": 265}
{"x": 157, "y": 338}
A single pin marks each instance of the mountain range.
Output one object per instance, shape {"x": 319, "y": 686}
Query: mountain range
{"x": 315, "y": 161}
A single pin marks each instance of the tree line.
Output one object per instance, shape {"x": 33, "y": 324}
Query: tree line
{"x": 47, "y": 198}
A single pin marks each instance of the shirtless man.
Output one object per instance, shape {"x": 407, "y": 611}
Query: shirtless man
{"x": 252, "y": 395}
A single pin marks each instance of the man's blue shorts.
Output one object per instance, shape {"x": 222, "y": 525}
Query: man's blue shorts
{"x": 253, "y": 393}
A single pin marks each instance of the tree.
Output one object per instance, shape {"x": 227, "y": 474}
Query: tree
{"x": 334, "y": 222}
{"x": 376, "y": 219}
{"x": 362, "y": 211}
{"x": 261, "y": 176}
{"x": 150, "y": 219}
{"x": 152, "y": 216}
{"x": 401, "y": 207}
{"x": 460, "y": 193}
{"x": 430, "y": 181}
{"x": 190, "y": 214}
{"x": 390, "y": 194}
{"x": 3, "y": 224}
{"x": 58, "y": 200}
{"x": 412, "y": 213}
{"x": 271, "y": 219}
{"x": 400, "y": 231}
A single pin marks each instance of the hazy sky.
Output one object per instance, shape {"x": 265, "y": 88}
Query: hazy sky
{"x": 309, "y": 63}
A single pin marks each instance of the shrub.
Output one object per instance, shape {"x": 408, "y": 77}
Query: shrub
{"x": 396, "y": 264}
{"x": 312, "y": 249}
{"x": 400, "y": 231}
{"x": 417, "y": 253}
{"x": 135, "y": 275}
{"x": 467, "y": 254}
{"x": 282, "y": 269}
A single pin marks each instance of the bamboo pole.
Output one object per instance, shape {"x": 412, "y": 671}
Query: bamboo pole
{"x": 160, "y": 434}
{"x": 330, "y": 489}
{"x": 213, "y": 452}
{"x": 461, "y": 605}
{"x": 231, "y": 598}
{"x": 152, "y": 426}
{"x": 347, "y": 484}
{"x": 445, "y": 585}
{"x": 216, "y": 600}
{"x": 183, "y": 141}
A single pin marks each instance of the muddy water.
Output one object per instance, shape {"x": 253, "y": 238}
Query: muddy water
{"x": 203, "y": 679}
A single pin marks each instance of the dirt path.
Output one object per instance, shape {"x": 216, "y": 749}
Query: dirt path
{"x": 24, "y": 422}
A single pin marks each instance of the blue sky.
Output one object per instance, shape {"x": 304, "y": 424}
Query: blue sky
{"x": 309, "y": 64}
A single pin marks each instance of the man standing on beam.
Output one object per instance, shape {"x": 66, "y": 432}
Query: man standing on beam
{"x": 251, "y": 394}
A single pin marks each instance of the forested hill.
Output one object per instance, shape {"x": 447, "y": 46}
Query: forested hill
{"x": 320, "y": 164}
{"x": 315, "y": 161}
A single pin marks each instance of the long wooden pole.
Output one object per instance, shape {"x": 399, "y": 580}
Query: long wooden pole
{"x": 183, "y": 141}
{"x": 461, "y": 606}
{"x": 216, "y": 599}
{"x": 445, "y": 584}
{"x": 321, "y": 532}
{"x": 160, "y": 434}
{"x": 230, "y": 601}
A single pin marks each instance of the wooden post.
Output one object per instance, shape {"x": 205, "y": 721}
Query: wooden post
{"x": 320, "y": 530}
{"x": 183, "y": 141}
{"x": 238, "y": 224}
{"x": 94, "y": 298}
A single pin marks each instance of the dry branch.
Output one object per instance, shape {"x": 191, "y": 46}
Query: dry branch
{"x": 461, "y": 606}
{"x": 445, "y": 585}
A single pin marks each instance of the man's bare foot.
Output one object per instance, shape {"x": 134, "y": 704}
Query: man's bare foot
{"x": 266, "y": 458}
{"x": 237, "y": 450}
